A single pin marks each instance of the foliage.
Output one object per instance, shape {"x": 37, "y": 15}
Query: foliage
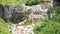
{"x": 10, "y": 2}
{"x": 56, "y": 18}
{"x": 50, "y": 8}
{"x": 4, "y": 27}
{"x": 58, "y": 9}
{"x": 48, "y": 27}
{"x": 33, "y": 2}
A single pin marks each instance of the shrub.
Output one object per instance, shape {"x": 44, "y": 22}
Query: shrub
{"x": 4, "y": 27}
{"x": 32, "y": 2}
{"x": 10, "y": 2}
{"x": 47, "y": 27}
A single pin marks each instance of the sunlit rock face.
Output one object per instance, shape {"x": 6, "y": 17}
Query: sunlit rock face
{"x": 39, "y": 11}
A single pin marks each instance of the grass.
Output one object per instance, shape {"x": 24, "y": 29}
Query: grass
{"x": 48, "y": 27}
{"x": 4, "y": 26}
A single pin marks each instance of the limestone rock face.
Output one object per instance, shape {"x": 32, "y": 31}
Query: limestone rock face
{"x": 10, "y": 10}
{"x": 20, "y": 29}
{"x": 24, "y": 11}
{"x": 38, "y": 11}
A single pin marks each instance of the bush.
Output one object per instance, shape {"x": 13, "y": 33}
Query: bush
{"x": 58, "y": 10}
{"x": 47, "y": 27}
{"x": 10, "y": 2}
{"x": 56, "y": 18}
{"x": 32, "y": 2}
{"x": 4, "y": 27}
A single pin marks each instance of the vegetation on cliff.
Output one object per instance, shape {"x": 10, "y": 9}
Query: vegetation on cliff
{"x": 10, "y": 2}
{"x": 33, "y": 2}
{"x": 49, "y": 26}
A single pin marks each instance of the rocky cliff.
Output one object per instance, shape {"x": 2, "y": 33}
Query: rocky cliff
{"x": 39, "y": 11}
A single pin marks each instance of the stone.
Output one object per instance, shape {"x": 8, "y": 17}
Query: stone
{"x": 20, "y": 29}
